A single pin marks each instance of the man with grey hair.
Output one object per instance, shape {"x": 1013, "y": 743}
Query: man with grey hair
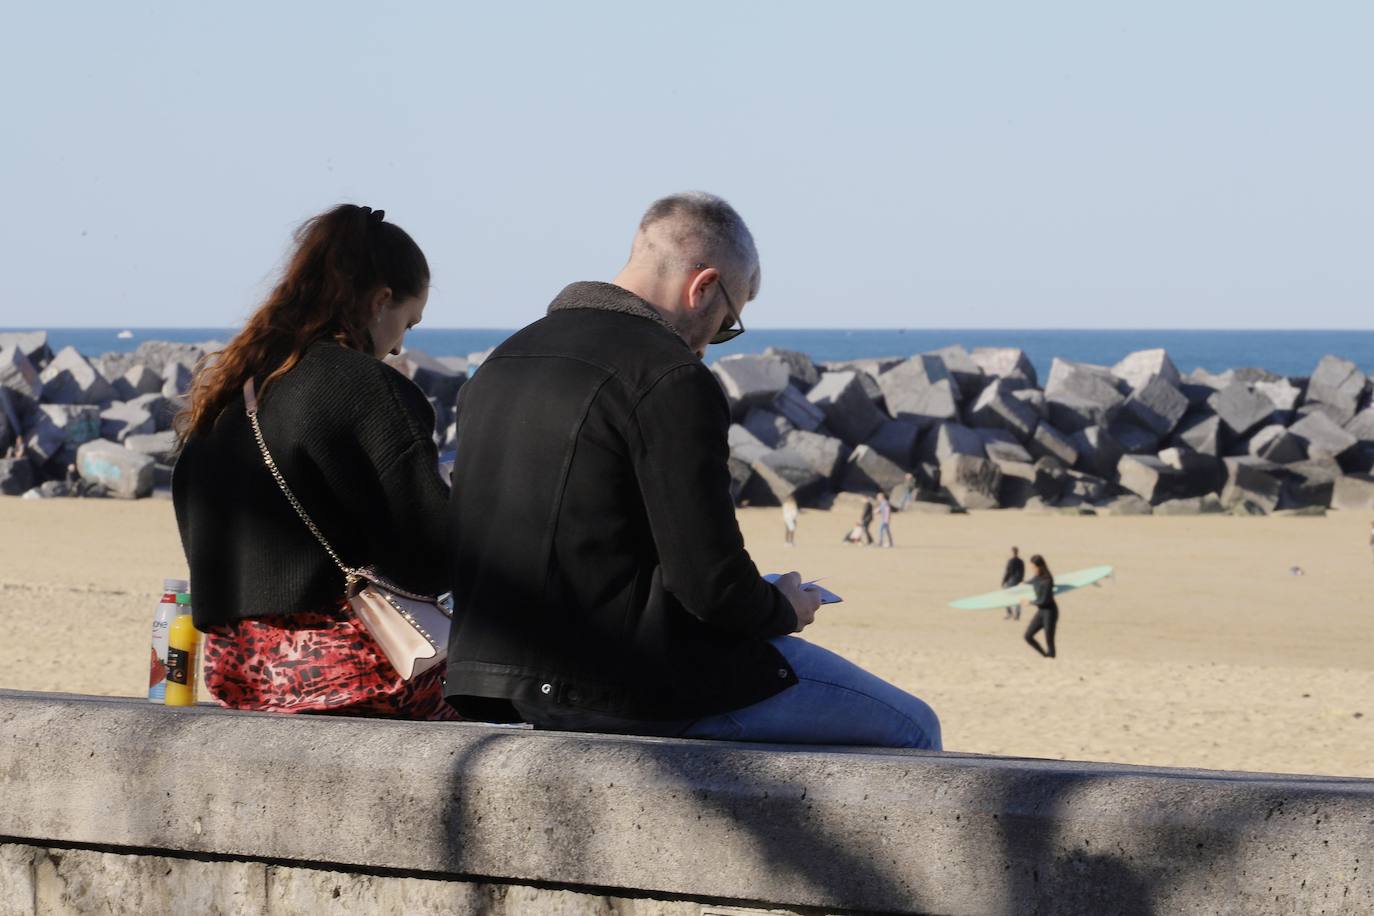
{"x": 599, "y": 577}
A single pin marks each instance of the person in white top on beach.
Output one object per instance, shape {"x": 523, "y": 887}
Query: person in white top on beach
{"x": 790, "y": 511}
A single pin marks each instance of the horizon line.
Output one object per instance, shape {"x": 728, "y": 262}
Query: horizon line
{"x": 892, "y": 329}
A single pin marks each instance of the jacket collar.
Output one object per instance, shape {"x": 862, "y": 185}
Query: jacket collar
{"x": 606, "y": 297}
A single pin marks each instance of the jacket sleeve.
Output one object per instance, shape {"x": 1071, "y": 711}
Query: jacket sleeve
{"x": 415, "y": 498}
{"x": 678, "y": 442}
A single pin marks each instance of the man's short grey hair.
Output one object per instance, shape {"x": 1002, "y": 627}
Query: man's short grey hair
{"x": 694, "y": 227}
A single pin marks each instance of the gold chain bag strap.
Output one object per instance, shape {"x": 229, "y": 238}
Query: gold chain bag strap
{"x": 411, "y": 629}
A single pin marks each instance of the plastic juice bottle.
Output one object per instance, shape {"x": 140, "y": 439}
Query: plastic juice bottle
{"x": 162, "y": 621}
{"x": 183, "y": 643}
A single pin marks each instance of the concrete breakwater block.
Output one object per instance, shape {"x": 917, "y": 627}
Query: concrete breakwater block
{"x": 17, "y": 476}
{"x": 1134, "y": 440}
{"x": 1338, "y": 385}
{"x": 1048, "y": 441}
{"x": 434, "y": 377}
{"x": 1200, "y": 431}
{"x": 1000, "y": 445}
{"x": 921, "y": 389}
{"x": 177, "y": 378}
{"x": 825, "y": 454}
{"x": 1079, "y": 395}
{"x": 70, "y": 379}
{"x": 897, "y": 441}
{"x": 801, "y": 413}
{"x": 997, "y": 408}
{"x": 1009, "y": 364}
{"x": 1323, "y": 435}
{"x": 972, "y": 482}
{"x": 751, "y": 381}
{"x": 867, "y": 471}
{"x": 20, "y": 380}
{"x": 1252, "y": 482}
{"x": 768, "y": 427}
{"x": 126, "y": 474}
{"x": 1140, "y": 368}
{"x": 32, "y": 344}
{"x": 786, "y": 473}
{"x": 55, "y": 431}
{"x": 137, "y": 379}
{"x": 802, "y": 370}
{"x": 1157, "y": 406}
{"x": 962, "y": 367}
{"x": 1240, "y": 409}
{"x": 1149, "y": 478}
{"x": 121, "y": 420}
{"x": 849, "y": 412}
{"x": 1278, "y": 445}
{"x": 1098, "y": 451}
{"x": 161, "y": 447}
{"x": 744, "y": 445}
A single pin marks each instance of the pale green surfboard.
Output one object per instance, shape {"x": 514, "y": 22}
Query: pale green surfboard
{"x": 1016, "y": 594}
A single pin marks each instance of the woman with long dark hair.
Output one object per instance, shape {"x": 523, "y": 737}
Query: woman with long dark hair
{"x": 353, "y": 438}
{"x": 1047, "y": 609}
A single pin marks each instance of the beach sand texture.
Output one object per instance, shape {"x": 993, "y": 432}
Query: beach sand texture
{"x": 1205, "y": 651}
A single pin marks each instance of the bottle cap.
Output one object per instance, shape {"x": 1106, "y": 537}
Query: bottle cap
{"x": 175, "y": 585}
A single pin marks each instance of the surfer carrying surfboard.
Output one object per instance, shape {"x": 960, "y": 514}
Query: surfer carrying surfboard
{"x": 1047, "y": 614}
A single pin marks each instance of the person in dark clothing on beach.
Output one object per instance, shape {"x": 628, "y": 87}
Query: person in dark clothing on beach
{"x": 1011, "y": 577}
{"x": 1047, "y": 614}
{"x": 600, "y": 579}
{"x": 866, "y": 520}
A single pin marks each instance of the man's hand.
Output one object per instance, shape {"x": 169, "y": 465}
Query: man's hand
{"x": 804, "y": 603}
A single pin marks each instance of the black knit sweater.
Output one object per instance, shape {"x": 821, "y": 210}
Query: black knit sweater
{"x": 354, "y": 440}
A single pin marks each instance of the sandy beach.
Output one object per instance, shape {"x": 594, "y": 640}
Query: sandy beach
{"x": 1205, "y": 651}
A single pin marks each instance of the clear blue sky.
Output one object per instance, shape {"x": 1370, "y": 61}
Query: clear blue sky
{"x": 1165, "y": 164}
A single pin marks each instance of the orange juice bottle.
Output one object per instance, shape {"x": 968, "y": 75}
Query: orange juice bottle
{"x": 183, "y": 643}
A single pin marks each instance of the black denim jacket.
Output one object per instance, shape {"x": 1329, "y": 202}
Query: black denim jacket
{"x": 594, "y": 553}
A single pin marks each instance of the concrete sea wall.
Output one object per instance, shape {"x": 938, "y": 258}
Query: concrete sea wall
{"x": 121, "y": 806}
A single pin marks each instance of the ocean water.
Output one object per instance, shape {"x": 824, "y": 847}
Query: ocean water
{"x": 1284, "y": 352}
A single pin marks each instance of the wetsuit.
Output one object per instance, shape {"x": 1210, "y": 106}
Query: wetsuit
{"x": 1047, "y": 617}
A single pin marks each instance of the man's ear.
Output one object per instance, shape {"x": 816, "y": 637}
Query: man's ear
{"x": 700, "y": 286}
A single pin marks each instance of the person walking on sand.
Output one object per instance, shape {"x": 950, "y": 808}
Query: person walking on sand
{"x": 790, "y": 511}
{"x": 866, "y": 520}
{"x": 906, "y": 491}
{"x": 354, "y": 440}
{"x": 600, "y": 579}
{"x": 1012, "y": 575}
{"x": 884, "y": 521}
{"x": 1047, "y": 609}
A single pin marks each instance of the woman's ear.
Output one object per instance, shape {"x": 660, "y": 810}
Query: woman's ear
{"x": 381, "y": 300}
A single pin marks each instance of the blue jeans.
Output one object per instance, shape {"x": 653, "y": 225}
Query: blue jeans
{"x": 834, "y": 702}
{"x": 885, "y": 531}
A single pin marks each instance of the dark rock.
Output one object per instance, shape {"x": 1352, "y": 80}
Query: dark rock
{"x": 786, "y": 473}
{"x": 973, "y": 483}
{"x": 800, "y": 412}
{"x": 1199, "y": 430}
{"x": 32, "y": 344}
{"x": 1359, "y": 460}
{"x": 1276, "y": 444}
{"x": 1138, "y": 369}
{"x": 920, "y": 389}
{"x": 1000, "y": 445}
{"x": 1250, "y": 485}
{"x": 1083, "y": 489}
{"x": 849, "y": 413}
{"x": 20, "y": 380}
{"x": 1022, "y": 482}
{"x": 434, "y": 378}
{"x": 1156, "y": 406}
{"x": 70, "y": 379}
{"x": 127, "y": 475}
{"x": 825, "y": 454}
{"x": 10, "y": 431}
{"x": 897, "y": 440}
{"x": 768, "y": 427}
{"x": 866, "y": 471}
{"x": 1323, "y": 435}
{"x": 1240, "y": 409}
{"x": 1338, "y": 385}
{"x": 17, "y": 475}
{"x": 1308, "y": 483}
{"x": 1098, "y": 451}
{"x": 1046, "y": 440}
{"x": 801, "y": 369}
{"x": 1079, "y": 395}
{"x": 121, "y": 420}
{"x": 1008, "y": 364}
{"x": 995, "y": 408}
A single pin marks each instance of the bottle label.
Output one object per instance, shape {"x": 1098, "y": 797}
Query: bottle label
{"x": 179, "y": 667}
